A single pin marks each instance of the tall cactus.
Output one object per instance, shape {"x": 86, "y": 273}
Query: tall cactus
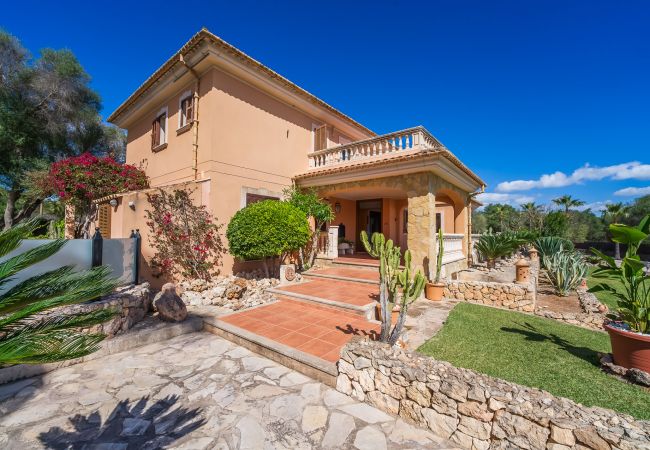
{"x": 441, "y": 252}
{"x": 392, "y": 282}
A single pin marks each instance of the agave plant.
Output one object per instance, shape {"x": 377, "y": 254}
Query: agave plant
{"x": 396, "y": 285}
{"x": 633, "y": 288}
{"x": 550, "y": 245}
{"x": 27, "y": 336}
{"x": 566, "y": 270}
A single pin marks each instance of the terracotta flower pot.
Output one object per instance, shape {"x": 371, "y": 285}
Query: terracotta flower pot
{"x": 434, "y": 291}
{"x": 631, "y": 350}
{"x": 393, "y": 315}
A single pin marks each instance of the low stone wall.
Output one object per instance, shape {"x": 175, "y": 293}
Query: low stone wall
{"x": 592, "y": 317}
{"x": 519, "y": 297}
{"x": 476, "y": 411}
{"x": 240, "y": 291}
{"x": 131, "y": 302}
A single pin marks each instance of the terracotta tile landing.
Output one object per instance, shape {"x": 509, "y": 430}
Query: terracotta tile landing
{"x": 348, "y": 272}
{"x": 313, "y": 329}
{"x": 358, "y": 294}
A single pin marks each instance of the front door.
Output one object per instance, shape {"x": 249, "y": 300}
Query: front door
{"x": 368, "y": 219}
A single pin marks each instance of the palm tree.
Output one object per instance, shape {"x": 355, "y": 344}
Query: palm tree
{"x": 568, "y": 202}
{"x": 27, "y": 335}
{"x": 614, "y": 213}
{"x": 533, "y": 214}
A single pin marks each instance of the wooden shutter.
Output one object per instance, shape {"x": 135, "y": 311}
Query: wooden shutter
{"x": 189, "y": 110}
{"x": 320, "y": 138}
{"x": 155, "y": 133}
{"x": 104, "y": 220}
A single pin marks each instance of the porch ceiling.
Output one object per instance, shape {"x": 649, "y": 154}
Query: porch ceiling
{"x": 366, "y": 193}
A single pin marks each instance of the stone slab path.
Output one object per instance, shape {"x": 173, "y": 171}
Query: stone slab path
{"x": 424, "y": 319}
{"x": 195, "y": 391}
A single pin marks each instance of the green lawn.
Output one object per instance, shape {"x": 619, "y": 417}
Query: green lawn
{"x": 536, "y": 352}
{"x": 604, "y": 297}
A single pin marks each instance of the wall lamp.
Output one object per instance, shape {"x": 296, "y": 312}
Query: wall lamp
{"x": 337, "y": 207}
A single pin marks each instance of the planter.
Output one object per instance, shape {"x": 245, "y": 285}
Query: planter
{"x": 434, "y": 291}
{"x": 631, "y": 350}
{"x": 393, "y": 315}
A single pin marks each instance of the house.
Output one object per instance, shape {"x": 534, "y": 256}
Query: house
{"x": 234, "y": 131}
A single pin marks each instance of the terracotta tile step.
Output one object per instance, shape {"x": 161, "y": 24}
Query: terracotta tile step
{"x": 346, "y": 273}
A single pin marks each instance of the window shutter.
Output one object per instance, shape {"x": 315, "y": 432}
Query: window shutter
{"x": 189, "y": 109}
{"x": 104, "y": 221}
{"x": 320, "y": 138}
{"x": 155, "y": 133}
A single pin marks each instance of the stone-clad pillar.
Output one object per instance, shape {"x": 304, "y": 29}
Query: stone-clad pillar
{"x": 421, "y": 230}
{"x": 68, "y": 231}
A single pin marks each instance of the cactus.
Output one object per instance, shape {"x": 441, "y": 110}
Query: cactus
{"x": 565, "y": 271}
{"x": 393, "y": 281}
{"x": 441, "y": 252}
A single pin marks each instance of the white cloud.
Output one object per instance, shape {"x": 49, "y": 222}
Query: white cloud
{"x": 595, "y": 206}
{"x": 626, "y": 171}
{"x": 510, "y": 199}
{"x": 633, "y": 191}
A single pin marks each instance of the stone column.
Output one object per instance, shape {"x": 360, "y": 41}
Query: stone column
{"x": 421, "y": 231}
{"x": 68, "y": 232}
{"x": 333, "y": 241}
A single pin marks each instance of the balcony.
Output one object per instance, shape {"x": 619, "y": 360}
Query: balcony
{"x": 453, "y": 247}
{"x": 409, "y": 140}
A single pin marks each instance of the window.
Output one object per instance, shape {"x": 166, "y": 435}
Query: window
{"x": 320, "y": 138}
{"x": 187, "y": 111}
{"x": 438, "y": 222}
{"x": 159, "y": 131}
{"x": 254, "y": 198}
{"x": 405, "y": 221}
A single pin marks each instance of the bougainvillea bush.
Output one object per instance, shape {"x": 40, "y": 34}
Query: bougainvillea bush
{"x": 81, "y": 179}
{"x": 185, "y": 236}
{"x": 269, "y": 230}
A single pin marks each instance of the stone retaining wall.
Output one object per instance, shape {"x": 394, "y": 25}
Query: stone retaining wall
{"x": 477, "y": 411}
{"x": 132, "y": 303}
{"x": 519, "y": 297}
{"x": 592, "y": 317}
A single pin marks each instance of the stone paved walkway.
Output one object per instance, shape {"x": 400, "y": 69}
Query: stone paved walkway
{"x": 195, "y": 391}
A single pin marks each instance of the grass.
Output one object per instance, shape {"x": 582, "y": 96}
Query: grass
{"x": 561, "y": 359}
{"x": 604, "y": 297}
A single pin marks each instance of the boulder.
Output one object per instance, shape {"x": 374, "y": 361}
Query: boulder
{"x": 169, "y": 305}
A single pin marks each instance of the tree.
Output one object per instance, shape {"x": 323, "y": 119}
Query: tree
{"x": 479, "y": 222}
{"x": 567, "y": 202}
{"x": 47, "y": 111}
{"x": 534, "y": 216}
{"x": 501, "y": 217}
{"x": 27, "y": 335}
{"x": 267, "y": 230}
{"x": 637, "y": 210}
{"x": 185, "y": 236}
{"x": 614, "y": 213}
{"x": 79, "y": 180}
{"x": 316, "y": 208}
{"x": 555, "y": 224}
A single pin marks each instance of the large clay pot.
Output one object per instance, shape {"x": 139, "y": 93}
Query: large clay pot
{"x": 434, "y": 291}
{"x": 631, "y": 350}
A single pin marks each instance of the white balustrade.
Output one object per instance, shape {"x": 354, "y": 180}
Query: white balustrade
{"x": 416, "y": 138}
{"x": 453, "y": 247}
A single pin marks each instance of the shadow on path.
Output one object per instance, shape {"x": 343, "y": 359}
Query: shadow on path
{"x": 131, "y": 425}
{"x": 531, "y": 333}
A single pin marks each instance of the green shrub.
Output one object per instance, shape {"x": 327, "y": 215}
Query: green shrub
{"x": 493, "y": 246}
{"x": 267, "y": 230}
{"x": 550, "y": 245}
{"x": 565, "y": 271}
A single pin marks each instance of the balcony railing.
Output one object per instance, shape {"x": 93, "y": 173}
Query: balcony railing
{"x": 453, "y": 246}
{"x": 417, "y": 138}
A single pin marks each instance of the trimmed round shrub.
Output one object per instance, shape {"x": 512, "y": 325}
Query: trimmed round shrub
{"x": 267, "y": 229}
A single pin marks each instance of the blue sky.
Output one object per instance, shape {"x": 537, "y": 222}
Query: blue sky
{"x": 518, "y": 90}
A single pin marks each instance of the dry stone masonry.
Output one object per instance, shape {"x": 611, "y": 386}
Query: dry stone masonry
{"x": 131, "y": 302}
{"x": 519, "y": 297}
{"x": 240, "y": 291}
{"x": 477, "y": 411}
{"x": 593, "y": 314}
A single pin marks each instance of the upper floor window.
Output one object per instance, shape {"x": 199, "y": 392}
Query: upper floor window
{"x": 187, "y": 111}
{"x": 320, "y": 138}
{"x": 159, "y": 131}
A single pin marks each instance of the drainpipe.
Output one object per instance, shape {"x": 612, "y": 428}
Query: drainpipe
{"x": 195, "y": 118}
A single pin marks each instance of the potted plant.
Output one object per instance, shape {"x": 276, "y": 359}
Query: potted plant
{"x": 629, "y": 332}
{"x": 435, "y": 290}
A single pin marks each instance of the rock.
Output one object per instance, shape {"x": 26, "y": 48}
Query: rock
{"x": 639, "y": 377}
{"x": 169, "y": 305}
{"x": 341, "y": 425}
{"x": 134, "y": 427}
{"x": 370, "y": 438}
{"x": 589, "y": 438}
{"x": 440, "y": 424}
{"x": 251, "y": 434}
{"x": 366, "y": 413}
{"x": 562, "y": 436}
{"x": 313, "y": 418}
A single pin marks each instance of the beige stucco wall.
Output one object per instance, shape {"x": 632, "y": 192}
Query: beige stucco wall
{"x": 248, "y": 141}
